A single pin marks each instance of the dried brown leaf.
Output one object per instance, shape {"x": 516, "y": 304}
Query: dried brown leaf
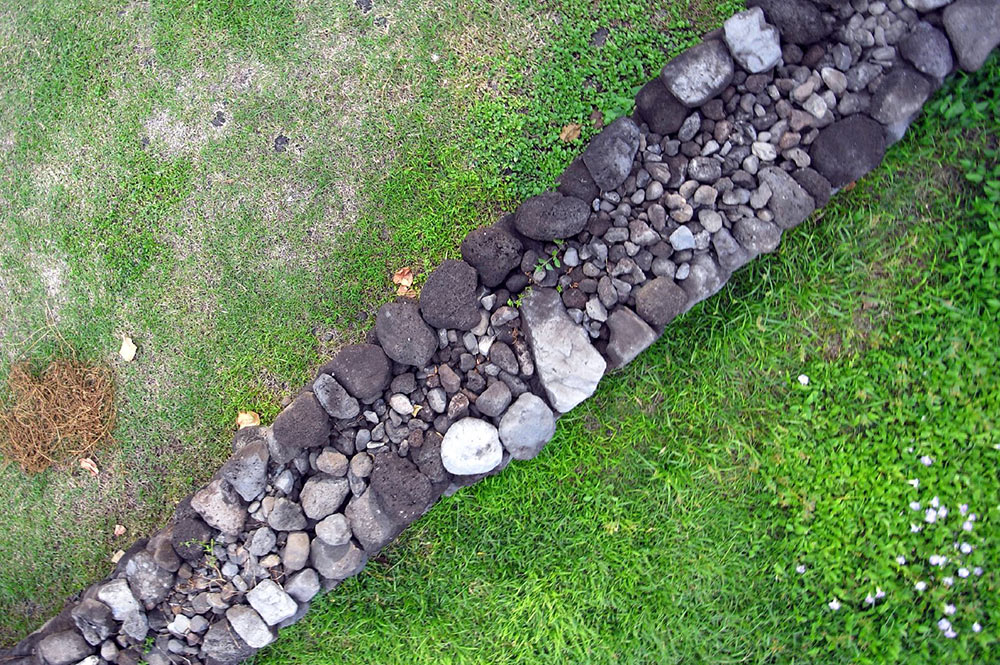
{"x": 570, "y": 132}
{"x": 403, "y": 277}
{"x": 247, "y": 419}
{"x": 89, "y": 465}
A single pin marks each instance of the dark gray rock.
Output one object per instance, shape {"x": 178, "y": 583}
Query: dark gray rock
{"x": 848, "y": 149}
{"x": 223, "y": 644}
{"x": 973, "y": 26}
{"x": 551, "y": 216}
{"x": 629, "y": 336}
{"x": 94, "y": 620}
{"x": 659, "y": 300}
{"x": 338, "y": 562}
{"x": 756, "y": 236}
{"x": 286, "y": 516}
{"x": 575, "y": 181}
{"x": 609, "y": 155}
{"x": 323, "y": 495}
{"x": 730, "y": 253}
{"x": 661, "y": 111}
{"x": 699, "y": 73}
{"x": 404, "y": 335}
{"x": 799, "y": 21}
{"x": 428, "y": 459}
{"x": 503, "y": 357}
{"x": 527, "y": 426}
{"x": 789, "y": 202}
{"x": 493, "y": 253}
{"x": 402, "y": 492}
{"x": 927, "y": 49}
{"x": 64, "y": 648}
{"x": 372, "y": 528}
{"x": 188, "y": 536}
{"x": 150, "y": 584}
{"x": 246, "y": 470}
{"x": 494, "y": 400}
{"x": 704, "y": 169}
{"x": 302, "y": 424}
{"x": 362, "y": 369}
{"x": 899, "y": 98}
{"x": 818, "y": 187}
{"x": 221, "y": 507}
{"x": 448, "y": 298}
{"x": 334, "y": 398}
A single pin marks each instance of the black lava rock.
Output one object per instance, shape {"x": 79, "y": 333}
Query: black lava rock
{"x": 609, "y": 155}
{"x": 448, "y": 299}
{"x": 404, "y": 335}
{"x": 848, "y": 149}
{"x": 362, "y": 369}
{"x": 493, "y": 253}
{"x": 659, "y": 109}
{"x": 551, "y": 216}
{"x": 402, "y": 492}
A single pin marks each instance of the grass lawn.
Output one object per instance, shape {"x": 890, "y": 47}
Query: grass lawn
{"x": 666, "y": 521}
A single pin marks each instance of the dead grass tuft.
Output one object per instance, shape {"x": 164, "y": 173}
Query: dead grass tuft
{"x": 65, "y": 411}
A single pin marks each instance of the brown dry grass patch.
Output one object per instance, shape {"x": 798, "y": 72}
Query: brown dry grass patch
{"x": 65, "y": 411}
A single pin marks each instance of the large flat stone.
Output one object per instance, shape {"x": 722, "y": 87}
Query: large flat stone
{"x": 551, "y": 216}
{"x": 369, "y": 523}
{"x": 609, "y": 155}
{"x": 661, "y": 111}
{"x": 699, "y": 73}
{"x": 848, "y": 149}
{"x": 404, "y": 335}
{"x": 800, "y": 21}
{"x": 448, "y": 298}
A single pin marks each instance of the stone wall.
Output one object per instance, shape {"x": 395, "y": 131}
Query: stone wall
{"x": 737, "y": 140}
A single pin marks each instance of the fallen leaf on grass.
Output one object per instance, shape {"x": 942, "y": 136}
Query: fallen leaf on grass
{"x": 570, "y": 132}
{"x": 117, "y": 556}
{"x": 247, "y": 419}
{"x": 89, "y": 465}
{"x": 127, "y": 352}
{"x": 403, "y": 276}
{"x": 119, "y": 530}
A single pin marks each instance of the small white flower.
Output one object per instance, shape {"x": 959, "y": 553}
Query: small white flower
{"x": 901, "y": 560}
{"x": 803, "y": 379}
{"x": 977, "y": 571}
{"x": 916, "y": 528}
{"x": 976, "y": 627}
{"x": 965, "y": 548}
{"x": 800, "y": 569}
{"x": 964, "y": 508}
{"x": 967, "y": 525}
{"x": 926, "y": 460}
{"x": 920, "y": 585}
{"x": 942, "y": 512}
{"x": 914, "y": 505}
{"x": 972, "y": 517}
{"x": 948, "y": 581}
{"x": 935, "y": 502}
{"x": 949, "y": 610}
{"x": 950, "y": 634}
{"x": 915, "y": 482}
{"x": 879, "y": 593}
{"x": 963, "y": 572}
{"x": 935, "y": 560}
{"x": 944, "y": 624}
{"x": 834, "y": 604}
{"x": 869, "y": 599}
{"x": 930, "y": 516}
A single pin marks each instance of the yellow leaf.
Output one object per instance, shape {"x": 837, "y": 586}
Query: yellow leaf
{"x": 416, "y": 410}
{"x": 127, "y": 352}
{"x": 117, "y": 556}
{"x": 247, "y": 419}
{"x": 570, "y": 132}
{"x": 89, "y": 465}
{"x": 119, "y": 530}
{"x": 403, "y": 277}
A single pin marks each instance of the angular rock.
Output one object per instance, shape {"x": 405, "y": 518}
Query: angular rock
{"x": 704, "y": 280}
{"x": 699, "y": 73}
{"x": 335, "y": 529}
{"x": 567, "y": 365}
{"x": 927, "y": 49}
{"x": 286, "y": 516}
{"x": 731, "y": 254}
{"x": 848, "y": 149}
{"x": 493, "y": 253}
{"x": 754, "y": 43}
{"x": 63, "y": 648}
{"x": 577, "y": 182}
{"x": 973, "y": 26}
{"x": 494, "y": 400}
{"x": 323, "y": 495}
{"x": 660, "y": 110}
{"x": 404, "y": 335}
{"x": 150, "y": 584}
{"x": 402, "y": 492}
{"x": 295, "y": 554}
{"x": 334, "y": 399}
{"x": 899, "y": 98}
{"x": 362, "y": 369}
{"x": 550, "y": 216}
{"x": 338, "y": 562}
{"x": 789, "y": 202}
{"x": 221, "y": 507}
{"x": 629, "y": 336}
{"x": 249, "y": 625}
{"x": 262, "y": 542}
{"x": 223, "y": 644}
{"x": 94, "y": 620}
{"x": 271, "y": 602}
{"x": 163, "y": 552}
{"x": 756, "y": 236}
{"x": 799, "y": 21}
{"x": 246, "y": 470}
{"x": 448, "y": 299}
{"x": 303, "y": 586}
{"x": 527, "y": 426}
{"x": 471, "y": 446}
{"x": 816, "y": 185}
{"x": 369, "y": 524}
{"x": 609, "y": 155}
{"x": 302, "y": 424}
{"x": 117, "y": 595}
{"x": 659, "y": 300}
{"x": 428, "y": 459}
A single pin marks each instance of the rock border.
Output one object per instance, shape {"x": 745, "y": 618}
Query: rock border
{"x": 738, "y": 139}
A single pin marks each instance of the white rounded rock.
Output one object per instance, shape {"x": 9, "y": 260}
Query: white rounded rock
{"x": 471, "y": 446}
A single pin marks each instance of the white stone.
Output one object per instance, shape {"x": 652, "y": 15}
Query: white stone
{"x": 754, "y": 42}
{"x": 471, "y": 446}
{"x": 271, "y": 602}
{"x": 682, "y": 239}
{"x": 764, "y": 151}
{"x": 927, "y": 5}
{"x": 116, "y": 595}
{"x": 180, "y": 625}
{"x": 249, "y": 626}
{"x": 527, "y": 426}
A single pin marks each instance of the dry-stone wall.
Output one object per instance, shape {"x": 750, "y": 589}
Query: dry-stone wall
{"x": 737, "y": 140}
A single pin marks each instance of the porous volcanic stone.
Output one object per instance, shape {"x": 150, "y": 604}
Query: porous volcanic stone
{"x": 974, "y": 29}
{"x": 660, "y": 110}
{"x": 223, "y": 644}
{"x": 64, "y": 648}
{"x": 800, "y": 21}
{"x": 428, "y": 459}
{"x": 609, "y": 155}
{"x": 302, "y": 424}
{"x": 629, "y": 336}
{"x": 550, "y": 216}
{"x": 754, "y": 43}
{"x": 370, "y": 525}
{"x": 337, "y": 562}
{"x": 848, "y": 149}
{"x": 221, "y": 507}
{"x": 493, "y": 253}
{"x": 789, "y": 202}
{"x": 334, "y": 398}
{"x": 286, "y": 516}
{"x": 402, "y": 492}
{"x": 448, "y": 298}
{"x": 187, "y": 538}
{"x": 566, "y": 363}
{"x": 699, "y": 73}
{"x": 404, "y": 335}
{"x": 471, "y": 446}
{"x": 246, "y": 470}
{"x": 150, "y": 584}
{"x": 818, "y": 187}
{"x": 362, "y": 369}
{"x": 577, "y": 182}
{"x": 927, "y": 49}
{"x": 527, "y": 426}
{"x": 659, "y": 300}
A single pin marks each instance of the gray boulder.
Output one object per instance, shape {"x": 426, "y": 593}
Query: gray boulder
{"x": 302, "y": 424}
{"x": 271, "y": 602}
{"x": 402, "y": 492}
{"x": 404, "y": 335}
{"x": 117, "y": 595}
{"x": 303, "y": 586}
{"x": 899, "y": 98}
{"x": 927, "y": 49}
{"x": 609, "y": 155}
{"x": 221, "y": 507}
{"x": 659, "y": 300}
{"x": 789, "y": 202}
{"x": 550, "y": 216}
{"x": 249, "y": 625}
{"x": 334, "y": 399}
{"x": 286, "y": 516}
{"x": 730, "y": 253}
{"x": 577, "y": 182}
{"x": 493, "y": 253}
{"x": 699, "y": 73}
{"x": 150, "y": 584}
{"x": 527, "y": 426}
{"x": 629, "y": 336}
{"x": 64, "y": 648}
{"x": 471, "y": 446}
{"x": 704, "y": 280}
{"x": 661, "y": 111}
{"x": 337, "y": 562}
{"x": 756, "y": 236}
{"x": 362, "y": 369}
{"x": 94, "y": 620}
{"x": 369, "y": 524}
{"x": 224, "y": 645}
{"x": 566, "y": 363}
{"x": 246, "y": 470}
{"x": 754, "y": 43}
{"x": 800, "y": 21}
{"x": 448, "y": 298}
{"x": 848, "y": 149}
{"x": 323, "y": 495}
{"x": 974, "y": 29}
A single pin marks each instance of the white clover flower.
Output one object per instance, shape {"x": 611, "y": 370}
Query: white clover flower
{"x": 944, "y": 624}
{"x": 879, "y": 593}
{"x": 976, "y": 627}
{"x": 920, "y": 585}
{"x": 935, "y": 560}
{"x": 914, "y": 505}
{"x": 942, "y": 512}
{"x": 977, "y": 571}
{"x": 916, "y": 528}
{"x": 948, "y": 581}
{"x": 926, "y": 460}
{"x": 869, "y": 599}
{"x": 930, "y": 516}
{"x": 834, "y": 604}
{"x": 967, "y": 525}
{"x": 964, "y": 508}
{"x": 949, "y": 609}
{"x": 800, "y": 569}
{"x": 965, "y": 548}
{"x": 901, "y": 560}
{"x": 963, "y": 572}
{"x": 950, "y": 634}
{"x": 972, "y": 517}
{"x": 915, "y": 482}
{"x": 803, "y": 379}
{"x": 935, "y": 502}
